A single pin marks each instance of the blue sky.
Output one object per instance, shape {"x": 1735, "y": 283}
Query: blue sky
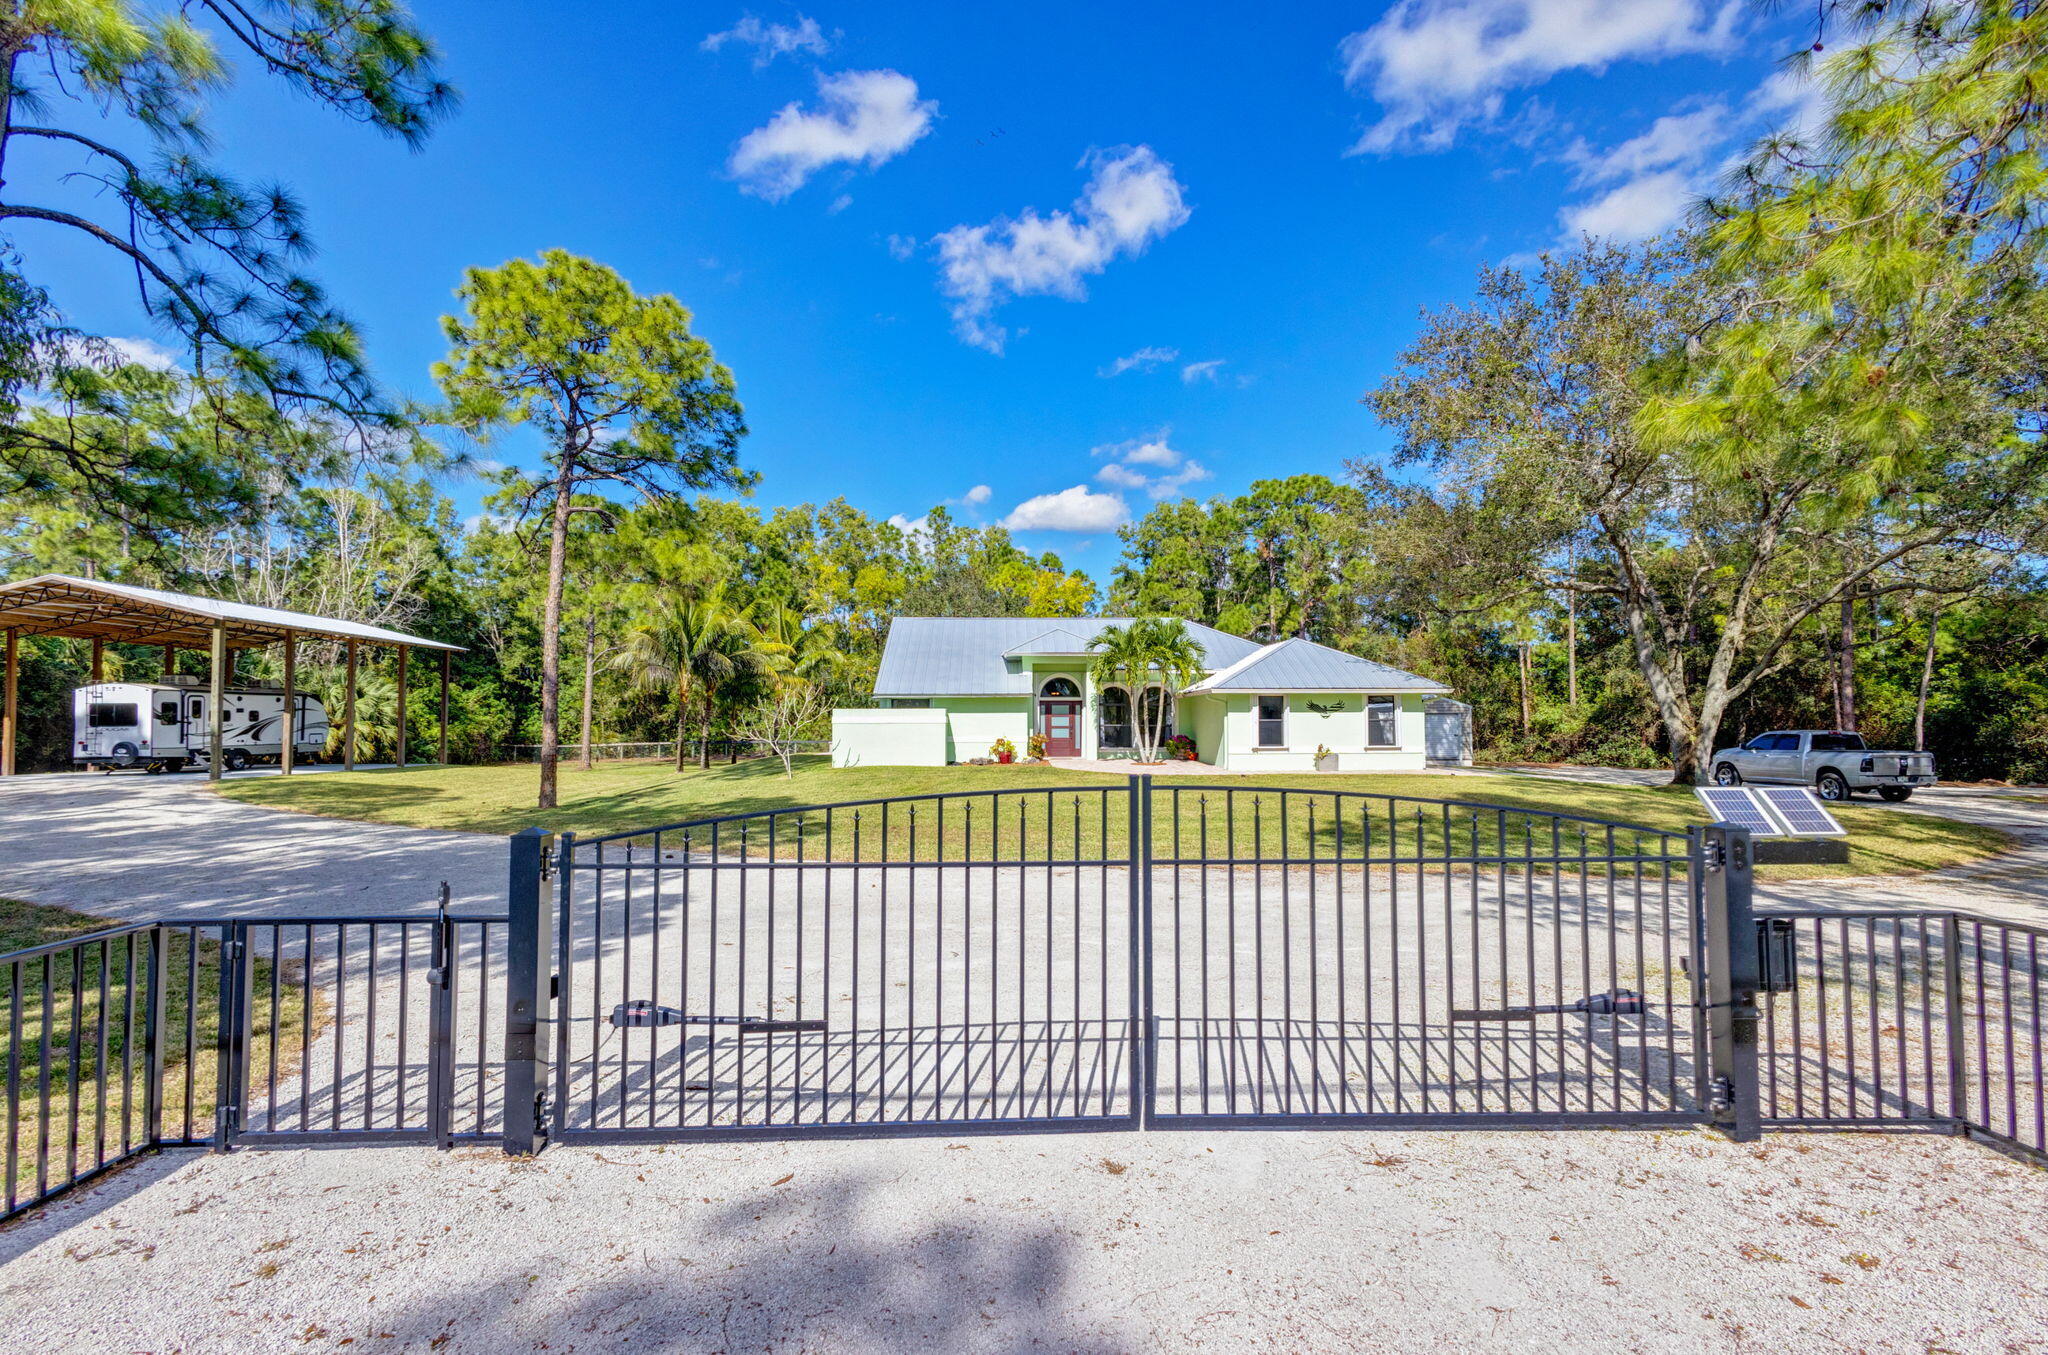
{"x": 1043, "y": 265}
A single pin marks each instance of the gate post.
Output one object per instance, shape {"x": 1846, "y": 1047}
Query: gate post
{"x": 529, "y": 971}
{"x": 1145, "y": 1025}
{"x": 231, "y": 1039}
{"x": 1725, "y": 862}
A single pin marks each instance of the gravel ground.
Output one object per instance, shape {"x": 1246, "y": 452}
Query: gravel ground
{"x": 1101, "y": 1242}
{"x": 1336, "y": 1240}
{"x": 146, "y": 847}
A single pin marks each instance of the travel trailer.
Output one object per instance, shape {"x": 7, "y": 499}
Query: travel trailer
{"x": 162, "y": 726}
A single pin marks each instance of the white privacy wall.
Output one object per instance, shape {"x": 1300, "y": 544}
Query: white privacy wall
{"x": 889, "y": 738}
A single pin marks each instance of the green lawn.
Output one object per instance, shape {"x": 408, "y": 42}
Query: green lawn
{"x": 105, "y": 1022}
{"x": 624, "y": 797}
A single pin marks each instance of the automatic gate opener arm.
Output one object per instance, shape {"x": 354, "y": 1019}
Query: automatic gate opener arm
{"x": 641, "y": 1012}
{"x": 1614, "y": 1002}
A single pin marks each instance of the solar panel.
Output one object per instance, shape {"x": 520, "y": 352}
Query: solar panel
{"x": 1801, "y": 811}
{"x": 1738, "y": 805}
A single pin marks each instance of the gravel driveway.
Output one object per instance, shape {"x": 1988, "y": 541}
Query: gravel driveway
{"x": 131, "y": 845}
{"x": 1183, "y": 1239}
{"x": 1282, "y": 1242}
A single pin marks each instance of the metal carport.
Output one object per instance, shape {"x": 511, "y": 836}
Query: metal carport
{"x": 96, "y": 610}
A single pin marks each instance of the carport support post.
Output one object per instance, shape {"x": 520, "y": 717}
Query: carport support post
{"x": 99, "y": 661}
{"x": 291, "y": 709}
{"x": 1725, "y": 861}
{"x": 348, "y": 712}
{"x": 10, "y": 699}
{"x": 403, "y": 651}
{"x": 216, "y": 700}
{"x": 529, "y": 985}
{"x": 446, "y": 658}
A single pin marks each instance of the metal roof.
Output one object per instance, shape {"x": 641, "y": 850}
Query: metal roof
{"x": 1049, "y": 643}
{"x": 1299, "y": 665}
{"x": 977, "y": 655}
{"x": 59, "y": 604}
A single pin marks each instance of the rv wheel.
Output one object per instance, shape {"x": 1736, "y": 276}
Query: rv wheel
{"x": 234, "y": 759}
{"x": 125, "y": 754}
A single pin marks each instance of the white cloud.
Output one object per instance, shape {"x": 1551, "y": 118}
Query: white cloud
{"x": 1078, "y": 509}
{"x": 902, "y": 246}
{"x": 773, "y": 40}
{"x": 919, "y": 530}
{"x": 1144, "y": 360}
{"x": 1201, "y": 371}
{"x": 976, "y": 496}
{"x": 1636, "y": 210}
{"x": 840, "y": 203}
{"x": 1131, "y": 199}
{"x": 1674, "y": 139}
{"x": 866, "y": 117}
{"x": 1150, "y": 463}
{"x": 108, "y": 353}
{"x": 1435, "y": 66}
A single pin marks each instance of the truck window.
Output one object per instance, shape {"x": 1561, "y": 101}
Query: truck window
{"x": 1838, "y": 743}
{"x": 111, "y": 715}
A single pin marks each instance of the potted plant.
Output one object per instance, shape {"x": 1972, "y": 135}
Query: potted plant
{"x": 1034, "y": 747}
{"x": 1003, "y": 751}
{"x": 1326, "y": 761}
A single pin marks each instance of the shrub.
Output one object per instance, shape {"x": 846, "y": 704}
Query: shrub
{"x": 1035, "y": 746}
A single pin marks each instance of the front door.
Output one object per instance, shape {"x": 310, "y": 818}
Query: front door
{"x": 1061, "y": 721}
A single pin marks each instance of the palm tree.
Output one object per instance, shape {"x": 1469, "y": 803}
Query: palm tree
{"x": 693, "y": 645}
{"x": 1149, "y": 650}
{"x": 797, "y": 652}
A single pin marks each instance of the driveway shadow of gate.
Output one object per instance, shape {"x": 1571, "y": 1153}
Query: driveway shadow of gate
{"x": 833, "y": 1266}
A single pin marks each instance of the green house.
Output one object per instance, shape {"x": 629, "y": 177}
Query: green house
{"x": 949, "y": 687}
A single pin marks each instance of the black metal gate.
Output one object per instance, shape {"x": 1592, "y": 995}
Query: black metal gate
{"x": 927, "y": 964}
{"x": 1096, "y": 957}
{"x": 1336, "y": 958}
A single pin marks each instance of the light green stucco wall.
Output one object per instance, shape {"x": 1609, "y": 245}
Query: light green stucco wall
{"x": 1342, "y": 732}
{"x": 975, "y": 722}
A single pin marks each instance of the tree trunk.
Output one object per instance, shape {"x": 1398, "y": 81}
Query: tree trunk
{"x": 551, "y": 639}
{"x": 682, "y": 725}
{"x": 1571, "y": 641}
{"x": 704, "y": 748}
{"x": 1926, "y": 681}
{"x": 1845, "y": 669}
{"x": 589, "y": 680}
{"x": 1522, "y": 671}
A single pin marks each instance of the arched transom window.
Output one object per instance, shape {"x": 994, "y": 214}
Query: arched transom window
{"x": 1059, "y": 687}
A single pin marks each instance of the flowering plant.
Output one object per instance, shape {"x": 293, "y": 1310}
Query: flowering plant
{"x": 1034, "y": 747}
{"x": 1002, "y": 750}
{"x": 1180, "y": 747}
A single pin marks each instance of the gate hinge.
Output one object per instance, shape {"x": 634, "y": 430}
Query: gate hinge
{"x": 1721, "y": 1095}
{"x": 1713, "y": 854}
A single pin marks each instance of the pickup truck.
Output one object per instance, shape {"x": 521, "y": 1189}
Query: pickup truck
{"x": 1835, "y": 763}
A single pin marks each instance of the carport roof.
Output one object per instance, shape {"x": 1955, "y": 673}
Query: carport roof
{"x": 60, "y": 604}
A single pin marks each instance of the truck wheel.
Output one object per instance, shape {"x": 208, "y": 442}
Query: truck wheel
{"x": 1830, "y": 786}
{"x": 1896, "y": 795}
{"x": 234, "y": 759}
{"x": 1726, "y": 775}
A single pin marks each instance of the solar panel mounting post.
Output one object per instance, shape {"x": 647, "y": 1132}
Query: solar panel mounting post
{"x": 1723, "y": 859}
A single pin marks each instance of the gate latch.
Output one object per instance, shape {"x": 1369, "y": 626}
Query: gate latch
{"x": 1613, "y": 1002}
{"x": 641, "y": 1012}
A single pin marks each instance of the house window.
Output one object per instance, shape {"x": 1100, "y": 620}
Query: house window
{"x": 1380, "y": 731}
{"x": 1059, "y": 687}
{"x": 909, "y": 703}
{"x": 1149, "y": 705}
{"x": 1272, "y": 713}
{"x": 1113, "y": 716}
